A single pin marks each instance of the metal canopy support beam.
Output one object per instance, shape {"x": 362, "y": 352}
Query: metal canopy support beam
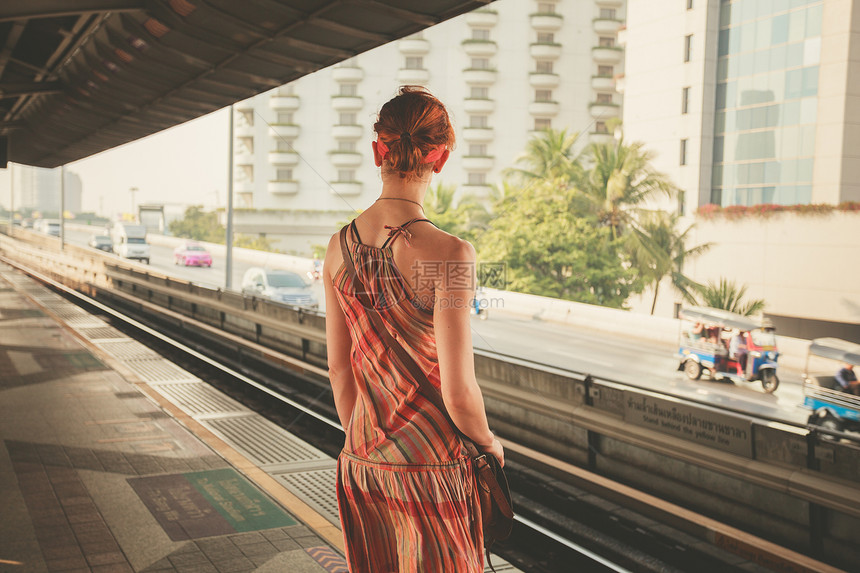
{"x": 15, "y": 89}
{"x": 32, "y": 9}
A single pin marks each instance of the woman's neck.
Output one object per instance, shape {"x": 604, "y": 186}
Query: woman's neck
{"x": 395, "y": 187}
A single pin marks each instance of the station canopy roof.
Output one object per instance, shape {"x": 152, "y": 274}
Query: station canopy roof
{"x": 81, "y": 76}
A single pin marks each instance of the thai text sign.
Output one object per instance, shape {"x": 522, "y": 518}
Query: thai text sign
{"x": 701, "y": 425}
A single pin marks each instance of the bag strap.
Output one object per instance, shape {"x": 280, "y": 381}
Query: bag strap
{"x": 427, "y": 389}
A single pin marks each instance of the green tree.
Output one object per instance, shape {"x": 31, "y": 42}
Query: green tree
{"x": 199, "y": 225}
{"x": 255, "y": 242}
{"x": 548, "y": 155}
{"x": 659, "y": 249}
{"x": 464, "y": 218}
{"x": 618, "y": 181}
{"x": 727, "y": 296}
{"x": 549, "y": 251}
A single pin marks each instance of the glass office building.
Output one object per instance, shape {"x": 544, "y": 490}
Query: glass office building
{"x": 766, "y": 101}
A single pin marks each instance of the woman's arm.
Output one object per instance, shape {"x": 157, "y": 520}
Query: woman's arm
{"x": 338, "y": 341}
{"x": 460, "y": 390}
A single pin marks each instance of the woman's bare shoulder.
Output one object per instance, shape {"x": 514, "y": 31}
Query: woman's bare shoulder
{"x": 446, "y": 246}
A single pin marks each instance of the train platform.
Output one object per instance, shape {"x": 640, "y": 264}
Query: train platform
{"x": 113, "y": 459}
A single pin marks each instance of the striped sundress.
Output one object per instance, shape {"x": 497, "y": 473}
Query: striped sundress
{"x": 405, "y": 485}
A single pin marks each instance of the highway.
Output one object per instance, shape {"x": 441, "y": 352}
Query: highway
{"x": 634, "y": 361}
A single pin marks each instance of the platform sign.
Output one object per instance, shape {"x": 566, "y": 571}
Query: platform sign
{"x": 208, "y": 503}
{"x": 697, "y": 424}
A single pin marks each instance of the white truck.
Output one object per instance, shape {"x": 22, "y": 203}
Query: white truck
{"x": 129, "y": 241}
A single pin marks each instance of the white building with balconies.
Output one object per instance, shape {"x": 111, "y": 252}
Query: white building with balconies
{"x": 504, "y": 72}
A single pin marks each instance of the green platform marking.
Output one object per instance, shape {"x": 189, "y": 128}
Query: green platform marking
{"x": 244, "y": 506}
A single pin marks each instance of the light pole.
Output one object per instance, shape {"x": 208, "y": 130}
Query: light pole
{"x": 228, "y": 279}
{"x": 133, "y": 190}
{"x": 62, "y": 207}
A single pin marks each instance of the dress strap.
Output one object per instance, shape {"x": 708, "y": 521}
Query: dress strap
{"x": 355, "y": 236}
{"x": 397, "y": 230}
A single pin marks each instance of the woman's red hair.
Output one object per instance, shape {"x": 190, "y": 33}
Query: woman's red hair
{"x": 413, "y": 111}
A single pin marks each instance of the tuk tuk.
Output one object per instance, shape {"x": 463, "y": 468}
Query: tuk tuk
{"x": 833, "y": 408}
{"x": 704, "y": 347}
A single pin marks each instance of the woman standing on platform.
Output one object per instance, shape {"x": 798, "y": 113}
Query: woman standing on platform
{"x": 405, "y": 484}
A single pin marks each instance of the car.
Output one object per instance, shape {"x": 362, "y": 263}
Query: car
{"x": 279, "y": 285}
{"x": 101, "y": 242}
{"x": 192, "y": 254}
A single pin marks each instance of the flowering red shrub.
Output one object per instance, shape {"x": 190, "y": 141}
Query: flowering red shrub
{"x": 734, "y": 212}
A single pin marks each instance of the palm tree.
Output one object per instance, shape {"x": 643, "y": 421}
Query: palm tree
{"x": 658, "y": 249}
{"x": 548, "y": 155}
{"x": 618, "y": 181}
{"x": 727, "y": 296}
{"x": 460, "y": 218}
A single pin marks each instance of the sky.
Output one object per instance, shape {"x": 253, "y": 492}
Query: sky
{"x": 186, "y": 164}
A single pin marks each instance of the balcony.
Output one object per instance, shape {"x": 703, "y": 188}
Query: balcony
{"x": 478, "y": 134}
{"x": 244, "y": 130}
{"x": 544, "y": 108}
{"x": 345, "y": 158}
{"x": 347, "y": 132}
{"x": 473, "y": 105}
{"x": 604, "y": 110}
{"x": 346, "y": 103}
{"x": 479, "y": 77}
{"x": 346, "y": 74}
{"x": 612, "y": 3}
{"x": 243, "y": 186}
{"x": 601, "y": 137}
{"x": 413, "y": 46}
{"x": 476, "y": 191}
{"x": 547, "y": 22}
{"x": 343, "y": 188}
{"x": 607, "y": 54}
{"x": 283, "y": 157}
{"x": 606, "y": 25}
{"x": 478, "y": 48}
{"x": 603, "y": 83}
{"x": 283, "y": 187}
{"x": 284, "y": 102}
{"x": 244, "y": 159}
{"x": 543, "y": 80}
{"x": 413, "y": 76}
{"x": 545, "y": 51}
{"x": 477, "y": 162}
{"x": 482, "y": 18}
{"x": 284, "y": 130}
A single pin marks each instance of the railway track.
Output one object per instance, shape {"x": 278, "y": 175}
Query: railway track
{"x": 560, "y": 526}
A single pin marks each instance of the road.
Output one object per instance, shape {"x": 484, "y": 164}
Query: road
{"x": 633, "y": 361}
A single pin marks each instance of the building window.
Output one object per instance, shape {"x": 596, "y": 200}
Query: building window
{"x": 346, "y": 146}
{"x": 246, "y": 145}
{"x": 543, "y": 95}
{"x": 542, "y": 123}
{"x": 476, "y": 92}
{"x": 286, "y": 90}
{"x": 348, "y": 89}
{"x": 607, "y": 13}
{"x": 414, "y": 63}
{"x": 479, "y": 121}
{"x": 683, "y": 160}
{"x": 685, "y": 101}
{"x": 689, "y": 4}
{"x": 600, "y": 127}
{"x": 476, "y": 178}
{"x": 283, "y": 145}
{"x": 346, "y": 118}
{"x": 345, "y": 175}
{"x": 284, "y": 117}
{"x": 480, "y": 63}
{"x": 482, "y": 34}
{"x": 478, "y": 149}
{"x": 246, "y": 200}
{"x": 688, "y": 47}
{"x": 283, "y": 174}
{"x": 604, "y": 98}
{"x": 606, "y": 42}
{"x": 543, "y": 66}
{"x": 605, "y": 71}
{"x": 545, "y": 38}
{"x": 246, "y": 173}
{"x": 245, "y": 118}
{"x": 546, "y": 8}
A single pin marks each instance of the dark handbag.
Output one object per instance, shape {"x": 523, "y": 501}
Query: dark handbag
{"x": 497, "y": 515}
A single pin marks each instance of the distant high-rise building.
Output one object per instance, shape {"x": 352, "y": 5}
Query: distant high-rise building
{"x": 39, "y": 189}
{"x": 504, "y": 72}
{"x": 746, "y": 102}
